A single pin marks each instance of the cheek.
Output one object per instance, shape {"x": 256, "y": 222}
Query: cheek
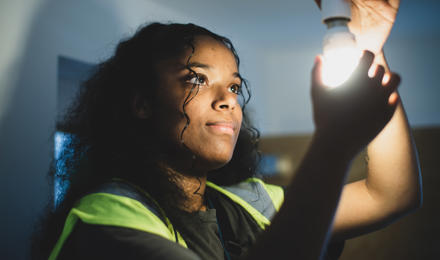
{"x": 192, "y": 117}
{"x": 177, "y": 125}
{"x": 168, "y": 122}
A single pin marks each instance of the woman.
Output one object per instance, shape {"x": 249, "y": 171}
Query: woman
{"x": 163, "y": 154}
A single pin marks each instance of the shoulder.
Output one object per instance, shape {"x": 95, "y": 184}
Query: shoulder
{"x": 117, "y": 218}
{"x": 110, "y": 242}
{"x": 258, "y": 198}
{"x": 122, "y": 205}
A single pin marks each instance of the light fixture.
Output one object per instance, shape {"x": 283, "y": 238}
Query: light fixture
{"x": 340, "y": 52}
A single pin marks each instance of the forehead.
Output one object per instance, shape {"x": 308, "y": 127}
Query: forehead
{"x": 210, "y": 51}
{"x": 207, "y": 51}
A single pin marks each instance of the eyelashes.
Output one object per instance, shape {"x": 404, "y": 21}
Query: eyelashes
{"x": 196, "y": 79}
{"x": 235, "y": 88}
{"x": 201, "y": 81}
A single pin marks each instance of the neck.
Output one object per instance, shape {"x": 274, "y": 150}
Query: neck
{"x": 192, "y": 184}
{"x": 194, "y": 189}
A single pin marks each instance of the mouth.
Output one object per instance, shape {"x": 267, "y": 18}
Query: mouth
{"x": 222, "y": 127}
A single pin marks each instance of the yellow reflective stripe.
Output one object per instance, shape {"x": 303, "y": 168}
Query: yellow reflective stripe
{"x": 261, "y": 220}
{"x": 180, "y": 239}
{"x": 276, "y": 193}
{"x": 68, "y": 227}
{"x": 114, "y": 210}
{"x": 121, "y": 211}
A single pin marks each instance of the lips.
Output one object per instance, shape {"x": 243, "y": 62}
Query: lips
{"x": 227, "y": 127}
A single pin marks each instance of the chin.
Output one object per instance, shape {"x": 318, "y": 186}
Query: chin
{"x": 214, "y": 162}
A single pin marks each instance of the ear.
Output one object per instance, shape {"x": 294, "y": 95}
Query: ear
{"x": 140, "y": 107}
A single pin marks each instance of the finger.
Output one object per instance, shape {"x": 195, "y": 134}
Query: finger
{"x": 372, "y": 71}
{"x": 394, "y": 3}
{"x": 393, "y": 99}
{"x": 392, "y": 84}
{"x": 386, "y": 78}
{"x": 376, "y": 71}
{"x": 365, "y": 62}
{"x": 391, "y": 109}
{"x": 317, "y": 72}
{"x": 380, "y": 71}
{"x": 391, "y": 87}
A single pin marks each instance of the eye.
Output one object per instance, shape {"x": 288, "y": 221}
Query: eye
{"x": 197, "y": 80}
{"x": 235, "y": 89}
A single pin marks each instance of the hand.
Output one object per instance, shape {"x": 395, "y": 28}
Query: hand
{"x": 371, "y": 22}
{"x": 355, "y": 112}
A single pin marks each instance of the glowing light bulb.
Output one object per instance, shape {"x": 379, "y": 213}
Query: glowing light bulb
{"x": 341, "y": 55}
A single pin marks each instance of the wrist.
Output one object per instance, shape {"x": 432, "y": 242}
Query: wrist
{"x": 335, "y": 146}
{"x": 379, "y": 59}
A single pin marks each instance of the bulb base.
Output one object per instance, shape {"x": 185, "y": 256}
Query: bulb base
{"x": 335, "y": 9}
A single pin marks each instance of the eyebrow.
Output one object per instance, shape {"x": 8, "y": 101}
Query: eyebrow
{"x": 198, "y": 65}
{"x": 206, "y": 66}
{"x": 237, "y": 75}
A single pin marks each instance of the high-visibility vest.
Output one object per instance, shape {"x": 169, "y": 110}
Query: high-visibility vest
{"x": 123, "y": 205}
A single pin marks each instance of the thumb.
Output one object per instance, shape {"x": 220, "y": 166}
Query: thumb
{"x": 317, "y": 72}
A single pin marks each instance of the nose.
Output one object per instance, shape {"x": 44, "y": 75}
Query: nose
{"x": 224, "y": 100}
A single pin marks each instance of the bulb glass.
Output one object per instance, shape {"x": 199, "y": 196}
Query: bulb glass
{"x": 340, "y": 56}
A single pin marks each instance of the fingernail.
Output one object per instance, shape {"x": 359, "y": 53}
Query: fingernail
{"x": 393, "y": 99}
{"x": 386, "y": 78}
{"x": 372, "y": 71}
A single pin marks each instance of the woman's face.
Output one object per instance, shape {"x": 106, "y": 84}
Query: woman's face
{"x": 214, "y": 112}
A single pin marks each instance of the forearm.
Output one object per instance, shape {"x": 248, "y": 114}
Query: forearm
{"x": 393, "y": 168}
{"x": 301, "y": 227}
{"x": 391, "y": 189}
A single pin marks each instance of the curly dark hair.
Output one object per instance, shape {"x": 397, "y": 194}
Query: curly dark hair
{"x": 109, "y": 141}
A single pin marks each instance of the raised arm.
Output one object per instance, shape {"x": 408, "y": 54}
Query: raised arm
{"x": 392, "y": 187}
{"x": 346, "y": 119}
{"x": 393, "y": 184}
